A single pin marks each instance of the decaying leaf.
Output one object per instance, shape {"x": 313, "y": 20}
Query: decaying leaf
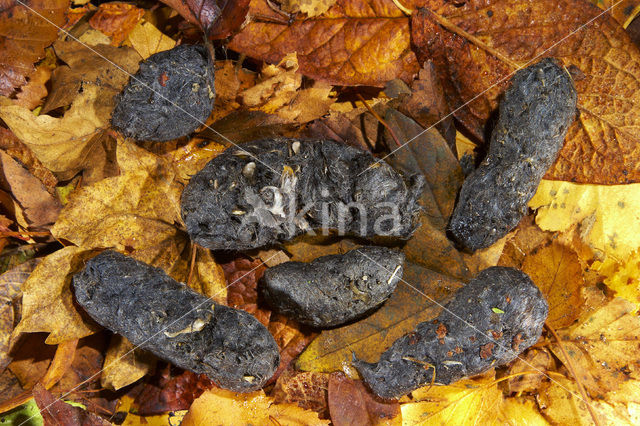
{"x": 410, "y": 304}
{"x": 351, "y": 403}
{"x": 476, "y": 46}
{"x": 623, "y": 11}
{"x": 217, "y": 406}
{"x": 341, "y": 47}
{"x": 307, "y": 389}
{"x": 607, "y": 214}
{"x": 603, "y": 346}
{"x": 227, "y": 16}
{"x": 534, "y": 363}
{"x": 47, "y": 301}
{"x": 24, "y": 36}
{"x": 58, "y": 412}
{"x": 32, "y": 93}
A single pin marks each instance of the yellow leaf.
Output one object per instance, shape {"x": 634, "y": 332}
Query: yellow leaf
{"x": 609, "y": 214}
{"x": 603, "y": 346}
{"x": 124, "y": 364}
{"x": 466, "y": 402}
{"x": 522, "y": 412}
{"x": 222, "y": 407}
{"x": 126, "y": 404}
{"x": 310, "y": 7}
{"x": 557, "y": 272}
{"x": 623, "y": 278}
{"x": 47, "y": 301}
{"x": 562, "y": 404}
{"x": 147, "y": 40}
{"x": 61, "y": 144}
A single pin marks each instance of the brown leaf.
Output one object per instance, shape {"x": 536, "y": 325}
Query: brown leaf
{"x": 24, "y": 36}
{"x": 557, "y": 272}
{"x": 350, "y": 403}
{"x": 310, "y": 7}
{"x": 40, "y": 208}
{"x": 476, "y": 46}
{"x": 105, "y": 66}
{"x": 57, "y": 412}
{"x": 534, "y": 359}
{"x": 171, "y": 389}
{"x": 623, "y": 11}
{"x": 12, "y": 146}
{"x": 116, "y": 19}
{"x": 342, "y": 47}
{"x": 333, "y": 350}
{"x": 32, "y": 93}
{"x": 307, "y": 389}
{"x": 227, "y": 15}
{"x": 10, "y": 295}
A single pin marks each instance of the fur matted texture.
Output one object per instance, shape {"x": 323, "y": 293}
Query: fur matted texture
{"x": 534, "y": 117}
{"x": 275, "y": 189}
{"x": 167, "y": 318}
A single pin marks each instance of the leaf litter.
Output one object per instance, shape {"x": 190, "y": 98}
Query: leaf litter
{"x": 576, "y": 244}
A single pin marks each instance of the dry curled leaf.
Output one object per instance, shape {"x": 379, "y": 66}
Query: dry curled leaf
{"x": 476, "y": 46}
{"x": 344, "y": 46}
{"x": 24, "y": 36}
{"x": 227, "y": 15}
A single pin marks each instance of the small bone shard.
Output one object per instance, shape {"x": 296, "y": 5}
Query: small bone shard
{"x": 167, "y": 318}
{"x": 334, "y": 289}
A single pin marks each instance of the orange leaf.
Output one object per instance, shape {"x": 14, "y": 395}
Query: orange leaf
{"x": 116, "y": 19}
{"x": 23, "y": 37}
{"x": 476, "y": 47}
{"x": 355, "y": 42}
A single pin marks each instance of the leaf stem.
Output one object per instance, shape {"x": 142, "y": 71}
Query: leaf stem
{"x": 384, "y": 123}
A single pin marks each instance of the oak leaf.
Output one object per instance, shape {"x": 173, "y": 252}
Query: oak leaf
{"x": 23, "y": 37}
{"x": 354, "y": 42}
{"x": 476, "y": 47}
{"x": 606, "y": 214}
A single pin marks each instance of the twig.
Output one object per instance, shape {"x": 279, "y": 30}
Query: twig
{"x": 384, "y": 123}
{"x": 194, "y": 251}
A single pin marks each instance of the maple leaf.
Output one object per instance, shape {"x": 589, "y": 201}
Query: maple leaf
{"x": 23, "y": 37}
{"x": 477, "y": 46}
{"x": 354, "y": 42}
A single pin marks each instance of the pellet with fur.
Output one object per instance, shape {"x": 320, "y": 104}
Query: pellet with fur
{"x": 167, "y": 318}
{"x": 534, "y": 117}
{"x": 272, "y": 190}
{"x": 334, "y": 289}
{"x": 489, "y": 322}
